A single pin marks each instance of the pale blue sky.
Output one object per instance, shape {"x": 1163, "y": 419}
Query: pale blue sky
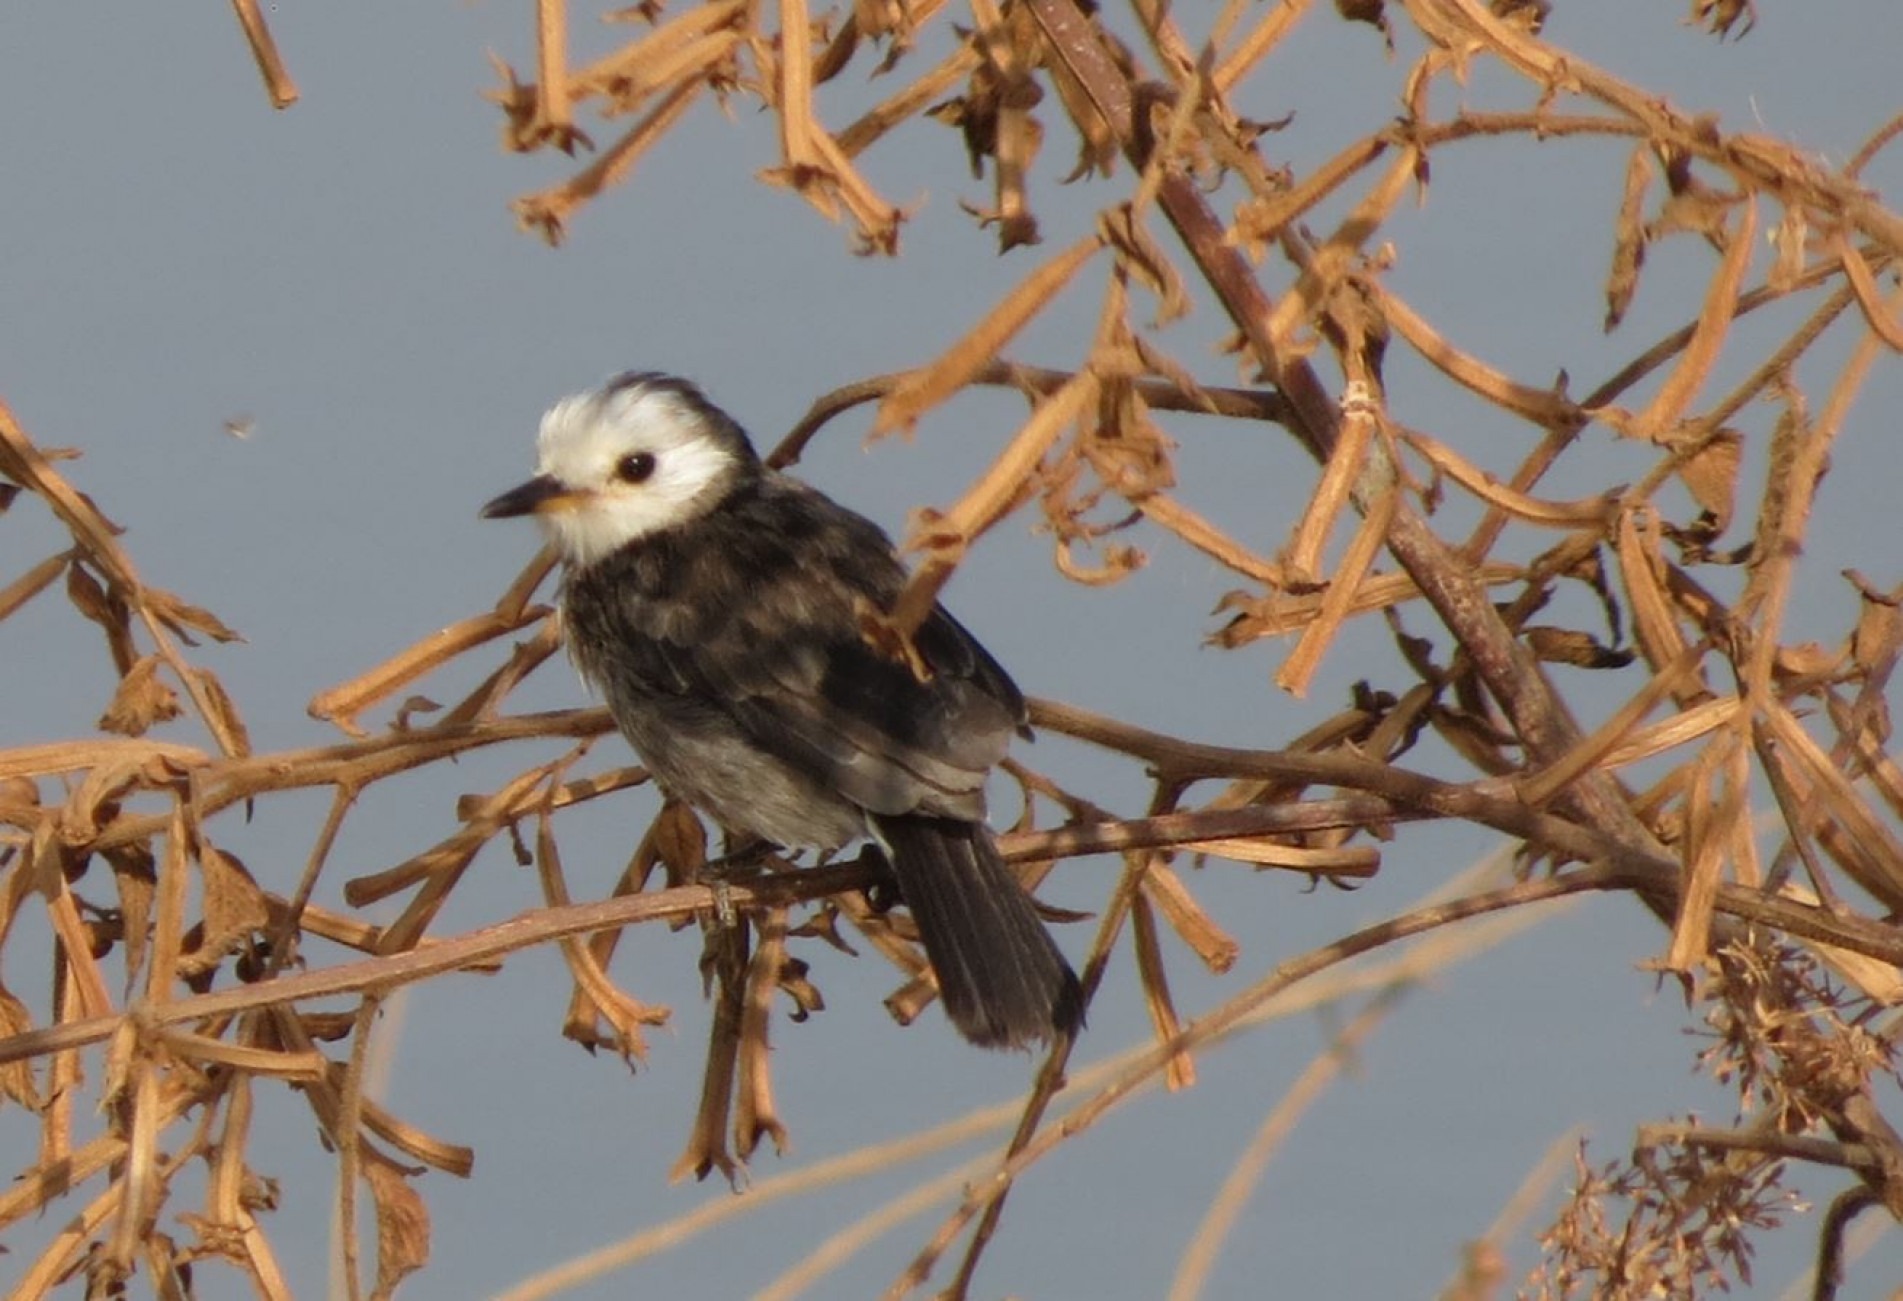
{"x": 173, "y": 254}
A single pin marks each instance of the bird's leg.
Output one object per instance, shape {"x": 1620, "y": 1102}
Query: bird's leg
{"x": 724, "y": 913}
{"x": 745, "y": 857}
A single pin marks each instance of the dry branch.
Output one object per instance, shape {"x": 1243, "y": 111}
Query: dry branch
{"x": 108, "y": 843}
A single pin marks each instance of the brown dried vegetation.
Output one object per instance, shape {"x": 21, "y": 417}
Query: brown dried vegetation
{"x": 109, "y": 842}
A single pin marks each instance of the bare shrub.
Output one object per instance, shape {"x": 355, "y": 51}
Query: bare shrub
{"x": 1736, "y": 720}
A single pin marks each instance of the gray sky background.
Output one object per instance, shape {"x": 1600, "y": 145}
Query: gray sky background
{"x": 173, "y": 254}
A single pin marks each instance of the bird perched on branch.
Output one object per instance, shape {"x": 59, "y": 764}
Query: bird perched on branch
{"x": 718, "y": 605}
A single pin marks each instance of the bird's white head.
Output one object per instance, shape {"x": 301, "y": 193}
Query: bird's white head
{"x": 644, "y": 454}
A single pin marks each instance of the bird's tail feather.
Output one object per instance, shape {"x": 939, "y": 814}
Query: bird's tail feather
{"x": 1002, "y": 978}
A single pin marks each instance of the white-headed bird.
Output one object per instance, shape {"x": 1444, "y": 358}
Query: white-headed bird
{"x": 717, "y": 605}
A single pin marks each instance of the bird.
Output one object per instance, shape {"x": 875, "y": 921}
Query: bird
{"x": 719, "y": 606}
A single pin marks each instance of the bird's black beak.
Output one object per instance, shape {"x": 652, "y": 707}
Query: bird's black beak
{"x": 542, "y": 493}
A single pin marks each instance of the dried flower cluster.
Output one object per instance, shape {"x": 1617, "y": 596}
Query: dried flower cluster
{"x": 109, "y": 842}
{"x": 1804, "y": 1056}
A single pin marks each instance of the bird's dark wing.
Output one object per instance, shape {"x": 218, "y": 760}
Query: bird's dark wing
{"x": 888, "y": 742}
{"x": 756, "y": 616}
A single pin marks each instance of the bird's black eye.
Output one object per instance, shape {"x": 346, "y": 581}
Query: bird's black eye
{"x": 635, "y": 467}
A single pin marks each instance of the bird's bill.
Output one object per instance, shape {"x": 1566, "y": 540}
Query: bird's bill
{"x": 542, "y": 495}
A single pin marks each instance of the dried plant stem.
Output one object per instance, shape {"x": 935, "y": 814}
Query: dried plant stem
{"x": 277, "y": 81}
{"x": 546, "y": 925}
{"x": 850, "y": 1239}
{"x": 108, "y": 853}
{"x": 1154, "y": 1061}
{"x": 222, "y": 784}
{"x": 1769, "y": 1143}
{"x": 349, "y": 1137}
{"x": 1163, "y": 395}
{"x": 1198, "y": 1260}
{"x": 761, "y": 1194}
{"x": 1411, "y": 965}
{"x": 1462, "y": 604}
{"x": 1485, "y": 1255}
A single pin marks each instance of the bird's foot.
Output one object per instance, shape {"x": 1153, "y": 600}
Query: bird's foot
{"x": 718, "y": 875}
{"x": 724, "y": 914}
{"x": 882, "y": 895}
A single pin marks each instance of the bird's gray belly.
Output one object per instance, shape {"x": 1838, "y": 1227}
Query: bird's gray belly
{"x": 699, "y": 755}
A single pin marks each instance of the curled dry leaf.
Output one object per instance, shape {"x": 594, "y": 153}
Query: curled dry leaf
{"x": 1192, "y": 528}
{"x": 723, "y": 966}
{"x": 141, "y": 701}
{"x": 1215, "y": 947}
{"x": 23, "y": 794}
{"x": 1180, "y": 1072}
{"x": 1654, "y": 620}
{"x": 184, "y": 618}
{"x": 1720, "y": 16}
{"x": 1710, "y": 825}
{"x": 1126, "y": 447}
{"x": 1139, "y": 254}
{"x": 32, "y": 582}
{"x": 1372, "y": 12}
{"x": 1874, "y": 645}
{"x": 796, "y": 978}
{"x": 924, "y": 389}
{"x": 221, "y": 712}
{"x": 403, "y": 1224}
{"x": 1880, "y": 316}
{"x": 1571, "y": 646}
{"x": 1338, "y": 599}
{"x": 1116, "y": 564}
{"x": 896, "y": 109}
{"x": 594, "y": 990}
{"x": 16, "y": 1078}
{"x": 689, "y": 43}
{"x": 832, "y": 177}
{"x": 135, "y": 879}
{"x": 756, "y": 1114}
{"x": 1289, "y": 609}
{"x": 304, "y": 1067}
{"x": 1686, "y": 725}
{"x": 234, "y": 907}
{"x": 1789, "y": 240}
{"x": 1852, "y": 832}
{"x": 1348, "y": 861}
{"x": 436, "y": 1153}
{"x": 1018, "y": 134}
{"x": 547, "y": 212}
{"x": 412, "y": 706}
{"x": 1544, "y": 406}
{"x": 1553, "y": 514}
{"x": 680, "y": 841}
{"x": 105, "y": 609}
{"x": 1710, "y": 474}
{"x": 1629, "y": 238}
{"x": 1701, "y": 352}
